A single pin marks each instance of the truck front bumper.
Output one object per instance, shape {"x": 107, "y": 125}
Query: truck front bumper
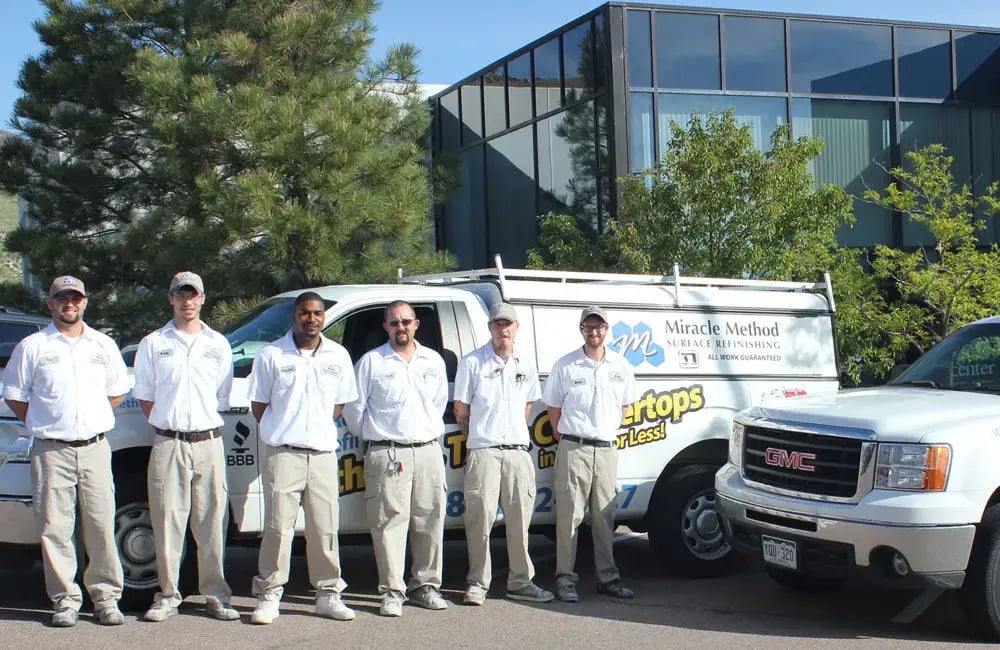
{"x": 18, "y": 521}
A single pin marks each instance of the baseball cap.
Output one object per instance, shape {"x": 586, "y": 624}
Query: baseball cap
{"x": 593, "y": 310}
{"x": 503, "y": 311}
{"x": 187, "y": 279}
{"x": 65, "y": 283}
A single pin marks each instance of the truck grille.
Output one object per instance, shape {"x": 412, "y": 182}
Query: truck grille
{"x": 801, "y": 461}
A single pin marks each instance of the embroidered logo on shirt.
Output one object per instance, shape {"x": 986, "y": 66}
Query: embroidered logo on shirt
{"x": 286, "y": 369}
{"x": 100, "y": 359}
{"x": 580, "y": 381}
{"x": 213, "y": 354}
{"x": 332, "y": 370}
{"x": 163, "y": 354}
{"x": 48, "y": 359}
{"x": 617, "y": 377}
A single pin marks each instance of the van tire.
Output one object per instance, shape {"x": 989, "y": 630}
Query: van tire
{"x": 806, "y": 583}
{"x": 685, "y": 530}
{"x": 980, "y": 595}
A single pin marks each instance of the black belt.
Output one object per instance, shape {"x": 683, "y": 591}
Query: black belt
{"x": 188, "y": 436}
{"x": 508, "y": 447}
{"x": 587, "y": 441}
{"x": 296, "y": 448}
{"x": 399, "y": 445}
{"x": 81, "y": 443}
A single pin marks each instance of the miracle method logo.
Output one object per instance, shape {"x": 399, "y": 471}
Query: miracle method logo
{"x": 635, "y": 343}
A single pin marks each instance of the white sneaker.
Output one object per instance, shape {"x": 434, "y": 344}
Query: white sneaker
{"x": 160, "y": 611}
{"x": 332, "y": 606}
{"x": 474, "y": 595}
{"x": 392, "y": 604}
{"x": 221, "y": 611}
{"x": 428, "y": 597}
{"x": 266, "y": 610}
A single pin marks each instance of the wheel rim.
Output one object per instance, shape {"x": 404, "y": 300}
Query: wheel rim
{"x": 136, "y": 545}
{"x": 702, "y": 528}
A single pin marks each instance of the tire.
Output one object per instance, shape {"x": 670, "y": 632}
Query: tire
{"x": 980, "y": 595}
{"x": 685, "y": 529}
{"x": 806, "y": 583}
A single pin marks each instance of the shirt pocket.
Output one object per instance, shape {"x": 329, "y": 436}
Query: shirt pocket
{"x": 387, "y": 391}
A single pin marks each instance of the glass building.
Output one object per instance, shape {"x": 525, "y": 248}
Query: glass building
{"x": 551, "y": 126}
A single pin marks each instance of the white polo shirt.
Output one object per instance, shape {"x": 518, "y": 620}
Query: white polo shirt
{"x": 66, "y": 383}
{"x": 187, "y": 377}
{"x": 590, "y": 393}
{"x": 497, "y": 392}
{"x": 302, "y": 389}
{"x": 399, "y": 400}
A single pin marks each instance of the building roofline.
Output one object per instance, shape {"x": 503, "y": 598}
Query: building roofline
{"x": 703, "y": 10}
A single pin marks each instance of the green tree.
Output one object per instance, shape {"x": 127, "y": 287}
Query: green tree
{"x": 254, "y": 142}
{"x": 910, "y": 299}
{"x": 716, "y": 204}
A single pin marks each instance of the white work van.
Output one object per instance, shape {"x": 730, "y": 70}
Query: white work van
{"x": 702, "y": 349}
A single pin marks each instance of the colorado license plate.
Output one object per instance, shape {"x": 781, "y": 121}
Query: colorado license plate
{"x": 779, "y": 552}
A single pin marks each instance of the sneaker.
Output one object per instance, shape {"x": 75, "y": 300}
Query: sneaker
{"x": 109, "y": 615}
{"x": 531, "y": 593}
{"x": 266, "y": 610}
{"x": 428, "y": 597}
{"x": 221, "y": 611}
{"x": 474, "y": 595}
{"x": 160, "y": 611}
{"x": 392, "y": 604}
{"x": 65, "y": 617}
{"x": 332, "y": 606}
{"x": 615, "y": 589}
{"x": 567, "y": 594}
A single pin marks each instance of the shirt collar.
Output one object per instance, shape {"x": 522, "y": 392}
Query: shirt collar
{"x": 287, "y": 344}
{"x": 52, "y": 331}
{"x": 388, "y": 352}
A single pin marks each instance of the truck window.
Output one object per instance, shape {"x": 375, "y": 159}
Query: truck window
{"x": 265, "y": 323}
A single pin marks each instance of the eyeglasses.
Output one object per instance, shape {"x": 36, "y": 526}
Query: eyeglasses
{"x": 593, "y": 328}
{"x": 405, "y": 322}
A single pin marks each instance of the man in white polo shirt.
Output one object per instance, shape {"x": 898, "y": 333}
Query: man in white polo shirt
{"x": 298, "y": 388}
{"x": 64, "y": 383}
{"x": 587, "y": 394}
{"x": 183, "y": 374}
{"x": 403, "y": 391}
{"x": 494, "y": 389}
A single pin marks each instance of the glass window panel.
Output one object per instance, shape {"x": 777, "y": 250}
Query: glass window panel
{"x": 602, "y": 59}
{"x": 567, "y": 165}
{"x": 762, "y": 114}
{"x": 548, "y": 95}
{"x": 924, "y": 62}
{"x": 755, "y": 53}
{"x": 450, "y": 126}
{"x": 495, "y": 101}
{"x": 604, "y": 177}
{"x": 978, "y": 62}
{"x": 986, "y": 164}
{"x": 510, "y": 180}
{"x": 687, "y": 51}
{"x": 924, "y": 124}
{"x": 472, "y": 113}
{"x": 465, "y": 214}
{"x": 578, "y": 62}
{"x": 858, "y": 137}
{"x": 519, "y": 89}
{"x": 640, "y": 124}
{"x": 841, "y": 59}
{"x": 640, "y": 48}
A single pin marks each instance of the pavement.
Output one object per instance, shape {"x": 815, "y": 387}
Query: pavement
{"x": 743, "y": 610}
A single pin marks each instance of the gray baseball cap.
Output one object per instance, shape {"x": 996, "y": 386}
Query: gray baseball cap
{"x": 593, "y": 310}
{"x": 65, "y": 283}
{"x": 187, "y": 279}
{"x": 503, "y": 311}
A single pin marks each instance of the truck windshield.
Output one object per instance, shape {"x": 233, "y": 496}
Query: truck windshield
{"x": 969, "y": 360}
{"x": 267, "y": 322}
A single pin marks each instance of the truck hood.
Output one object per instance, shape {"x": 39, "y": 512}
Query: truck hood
{"x": 894, "y": 413}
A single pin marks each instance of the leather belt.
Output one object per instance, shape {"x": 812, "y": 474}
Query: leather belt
{"x": 297, "y": 448}
{"x": 188, "y": 436}
{"x": 81, "y": 443}
{"x": 508, "y": 447}
{"x": 587, "y": 441}
{"x": 399, "y": 445}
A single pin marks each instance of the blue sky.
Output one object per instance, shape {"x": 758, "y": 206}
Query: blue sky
{"x": 457, "y": 37}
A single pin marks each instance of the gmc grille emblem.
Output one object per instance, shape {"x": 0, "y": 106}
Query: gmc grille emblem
{"x": 789, "y": 459}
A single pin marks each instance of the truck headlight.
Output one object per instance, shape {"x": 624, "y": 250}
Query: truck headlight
{"x": 912, "y": 467}
{"x": 736, "y": 444}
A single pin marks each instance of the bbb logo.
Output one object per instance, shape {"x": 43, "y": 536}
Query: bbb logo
{"x": 789, "y": 459}
{"x": 635, "y": 343}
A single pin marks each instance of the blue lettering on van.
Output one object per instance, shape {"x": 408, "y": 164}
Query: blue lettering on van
{"x": 635, "y": 343}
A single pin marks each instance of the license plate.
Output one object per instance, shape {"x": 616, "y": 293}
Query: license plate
{"x": 779, "y": 552}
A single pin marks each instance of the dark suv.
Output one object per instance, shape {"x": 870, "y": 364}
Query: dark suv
{"x": 14, "y": 326}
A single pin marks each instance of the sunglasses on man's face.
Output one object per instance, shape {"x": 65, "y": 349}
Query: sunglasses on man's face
{"x": 405, "y": 322}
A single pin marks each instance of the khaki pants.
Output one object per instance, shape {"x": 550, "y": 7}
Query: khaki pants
{"x": 64, "y": 477}
{"x": 187, "y": 486}
{"x": 585, "y": 475}
{"x": 310, "y": 478}
{"x": 412, "y": 501}
{"x": 505, "y": 477}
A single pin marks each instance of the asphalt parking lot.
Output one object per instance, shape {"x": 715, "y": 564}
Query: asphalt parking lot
{"x": 744, "y": 610}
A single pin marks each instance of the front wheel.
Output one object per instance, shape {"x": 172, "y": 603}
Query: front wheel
{"x": 980, "y": 595}
{"x": 135, "y": 542}
{"x": 685, "y": 528}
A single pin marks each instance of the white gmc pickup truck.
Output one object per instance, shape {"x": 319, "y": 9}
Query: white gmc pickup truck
{"x": 904, "y": 478}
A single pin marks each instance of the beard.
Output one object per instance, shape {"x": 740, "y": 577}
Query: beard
{"x": 69, "y": 320}
{"x": 401, "y": 338}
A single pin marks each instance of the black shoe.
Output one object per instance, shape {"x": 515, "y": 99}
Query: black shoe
{"x": 615, "y": 589}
